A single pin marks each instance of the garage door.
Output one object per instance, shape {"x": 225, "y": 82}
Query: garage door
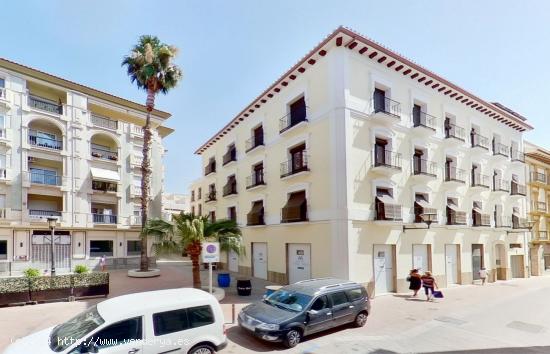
{"x": 299, "y": 262}
{"x": 259, "y": 259}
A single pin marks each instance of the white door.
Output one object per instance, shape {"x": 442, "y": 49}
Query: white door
{"x": 451, "y": 267}
{"x": 383, "y": 269}
{"x": 420, "y": 257}
{"x": 259, "y": 259}
{"x": 233, "y": 260}
{"x": 299, "y": 262}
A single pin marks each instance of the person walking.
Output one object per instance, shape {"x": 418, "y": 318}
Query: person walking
{"x": 415, "y": 281}
{"x": 103, "y": 263}
{"x": 429, "y": 284}
{"x": 483, "y": 275}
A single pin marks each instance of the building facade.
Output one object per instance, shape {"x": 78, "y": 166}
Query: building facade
{"x": 331, "y": 167}
{"x": 74, "y": 153}
{"x": 538, "y": 167}
{"x": 173, "y": 203}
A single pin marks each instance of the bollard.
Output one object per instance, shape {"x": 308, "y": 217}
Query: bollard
{"x": 233, "y": 313}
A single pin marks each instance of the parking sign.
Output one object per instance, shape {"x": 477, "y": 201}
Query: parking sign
{"x": 210, "y": 252}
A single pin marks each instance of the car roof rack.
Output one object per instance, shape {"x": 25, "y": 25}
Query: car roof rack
{"x": 336, "y": 285}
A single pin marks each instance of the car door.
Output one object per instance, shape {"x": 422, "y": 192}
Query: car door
{"x": 124, "y": 337}
{"x": 342, "y": 309}
{"x": 319, "y": 315}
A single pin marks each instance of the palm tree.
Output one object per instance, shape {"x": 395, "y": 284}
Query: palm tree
{"x": 150, "y": 67}
{"x": 188, "y": 232}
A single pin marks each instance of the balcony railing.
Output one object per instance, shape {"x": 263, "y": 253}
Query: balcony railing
{"x": 230, "y": 189}
{"x": 386, "y": 105}
{"x": 229, "y": 156}
{"x": 104, "y": 154}
{"x": 423, "y": 119}
{"x": 517, "y": 155}
{"x": 45, "y": 105}
{"x": 38, "y": 213}
{"x": 519, "y": 223}
{"x": 44, "y": 142}
{"x": 135, "y": 191}
{"x": 501, "y": 185}
{"x": 104, "y": 219}
{"x": 500, "y": 149}
{"x": 424, "y": 167}
{"x": 518, "y": 189}
{"x": 479, "y": 140}
{"x": 137, "y": 130}
{"x": 453, "y": 174}
{"x": 255, "y": 179}
{"x": 538, "y": 177}
{"x": 387, "y": 158}
{"x": 479, "y": 180}
{"x": 210, "y": 168}
{"x": 481, "y": 219}
{"x": 299, "y": 163}
{"x": 456, "y": 217}
{"x": 455, "y": 132}
{"x": 37, "y": 177}
{"x": 291, "y": 120}
{"x": 254, "y": 142}
{"x": 104, "y": 186}
{"x": 419, "y": 211}
{"x": 211, "y": 196}
{"x": 542, "y": 235}
{"x": 104, "y": 122}
{"x": 503, "y": 221}
{"x": 539, "y": 206}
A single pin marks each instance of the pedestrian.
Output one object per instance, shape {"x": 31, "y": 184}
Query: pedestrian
{"x": 483, "y": 275}
{"x": 415, "y": 281}
{"x": 428, "y": 282}
{"x": 102, "y": 263}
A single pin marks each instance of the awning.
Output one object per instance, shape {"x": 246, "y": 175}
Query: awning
{"x": 255, "y": 216}
{"x": 516, "y": 213}
{"x": 295, "y": 207}
{"x": 386, "y": 199}
{"x": 452, "y": 206}
{"x": 257, "y": 207}
{"x": 478, "y": 210}
{"x": 101, "y": 174}
{"x": 422, "y": 202}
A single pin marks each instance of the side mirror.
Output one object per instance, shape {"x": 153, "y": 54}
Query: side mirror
{"x": 312, "y": 312}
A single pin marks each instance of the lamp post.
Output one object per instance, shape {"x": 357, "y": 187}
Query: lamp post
{"x": 530, "y": 225}
{"x": 51, "y": 223}
{"x": 428, "y": 219}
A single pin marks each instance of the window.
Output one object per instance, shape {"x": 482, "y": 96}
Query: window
{"x": 232, "y": 213}
{"x": 200, "y": 316}
{"x": 2, "y": 82}
{"x": 355, "y": 294}
{"x": 338, "y": 298}
{"x": 119, "y": 333}
{"x": 256, "y": 214}
{"x": 3, "y": 249}
{"x": 212, "y": 216}
{"x": 298, "y": 111}
{"x": 320, "y": 303}
{"x": 193, "y": 210}
{"x": 98, "y": 248}
{"x": 170, "y": 322}
{"x": 200, "y": 210}
{"x": 199, "y": 194}
{"x": 295, "y": 208}
{"x": 133, "y": 248}
{"x": 192, "y": 196}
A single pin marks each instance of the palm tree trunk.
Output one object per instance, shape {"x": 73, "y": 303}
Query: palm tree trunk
{"x": 146, "y": 179}
{"x": 194, "y": 251}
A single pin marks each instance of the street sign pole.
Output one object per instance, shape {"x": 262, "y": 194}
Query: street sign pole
{"x": 210, "y": 254}
{"x": 210, "y": 277}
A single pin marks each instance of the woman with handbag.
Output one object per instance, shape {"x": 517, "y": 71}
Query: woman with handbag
{"x": 429, "y": 284}
{"x": 415, "y": 281}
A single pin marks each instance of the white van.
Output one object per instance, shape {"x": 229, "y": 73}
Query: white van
{"x": 165, "y": 321}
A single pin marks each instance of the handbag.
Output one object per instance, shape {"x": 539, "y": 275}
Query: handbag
{"x": 438, "y": 294}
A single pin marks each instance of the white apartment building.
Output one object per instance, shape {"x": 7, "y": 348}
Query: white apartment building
{"x": 330, "y": 170}
{"x": 71, "y": 152}
{"x": 175, "y": 204}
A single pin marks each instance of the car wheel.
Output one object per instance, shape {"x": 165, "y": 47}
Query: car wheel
{"x": 292, "y": 338}
{"x": 360, "y": 319}
{"x": 202, "y": 349}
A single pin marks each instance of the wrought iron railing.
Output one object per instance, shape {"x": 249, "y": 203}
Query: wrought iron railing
{"x": 479, "y": 140}
{"x": 230, "y": 189}
{"x": 45, "y": 105}
{"x": 500, "y": 149}
{"x": 387, "y": 158}
{"x": 423, "y": 119}
{"x": 518, "y": 189}
{"x": 517, "y": 155}
{"x": 454, "y": 131}
{"x": 453, "y": 174}
{"x": 211, "y": 196}
{"x": 44, "y": 142}
{"x": 386, "y": 105}
{"x": 481, "y": 219}
{"x": 254, "y": 142}
{"x": 298, "y": 163}
{"x": 503, "y": 221}
{"x": 500, "y": 184}
{"x": 424, "y": 167}
{"x": 255, "y": 179}
{"x": 542, "y": 235}
{"x": 104, "y": 122}
{"x": 519, "y": 223}
{"x": 538, "y": 177}
{"x": 229, "y": 156}
{"x": 210, "y": 168}
{"x": 539, "y": 206}
{"x": 291, "y": 120}
{"x": 479, "y": 180}
{"x": 104, "y": 219}
{"x": 43, "y": 213}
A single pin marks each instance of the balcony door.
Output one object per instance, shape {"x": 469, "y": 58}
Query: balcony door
{"x": 380, "y": 151}
{"x": 298, "y": 111}
{"x": 379, "y": 98}
{"x": 417, "y": 161}
{"x": 258, "y": 136}
{"x": 258, "y": 174}
{"x": 297, "y": 157}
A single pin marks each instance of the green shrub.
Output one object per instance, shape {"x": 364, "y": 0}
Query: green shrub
{"x": 31, "y": 273}
{"x": 81, "y": 269}
{"x": 14, "y": 285}
{"x": 47, "y": 282}
{"x": 90, "y": 279}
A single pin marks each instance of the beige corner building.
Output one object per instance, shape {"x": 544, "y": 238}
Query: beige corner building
{"x": 332, "y": 169}
{"x": 73, "y": 153}
{"x": 538, "y": 166}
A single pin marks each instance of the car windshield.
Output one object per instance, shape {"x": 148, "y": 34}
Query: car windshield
{"x": 289, "y": 300}
{"x": 64, "y": 335}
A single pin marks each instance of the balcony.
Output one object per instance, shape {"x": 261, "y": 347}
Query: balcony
{"x": 210, "y": 197}
{"x": 420, "y": 210}
{"x": 456, "y": 217}
{"x": 387, "y": 210}
{"x": 43, "y": 177}
{"x": 136, "y": 160}
{"x": 104, "y": 153}
{"x": 455, "y": 175}
{"x": 538, "y": 178}
{"x": 539, "y": 207}
{"x": 230, "y": 189}
{"x": 106, "y": 187}
{"x": 500, "y": 150}
{"x": 424, "y": 121}
{"x": 519, "y": 223}
{"x": 42, "y": 206}
{"x": 479, "y": 219}
{"x": 295, "y": 209}
{"x": 480, "y": 181}
{"x": 136, "y": 131}
{"x": 254, "y": 142}
{"x": 424, "y": 169}
{"x": 39, "y": 139}
{"x": 229, "y": 156}
{"x": 386, "y": 161}
{"x": 45, "y": 105}
{"x": 454, "y": 134}
{"x": 517, "y": 156}
{"x": 297, "y": 164}
{"x": 104, "y": 218}
{"x": 135, "y": 191}
{"x": 43, "y": 214}
{"x": 479, "y": 141}
{"x": 503, "y": 221}
{"x": 102, "y": 122}
{"x": 255, "y": 180}
{"x": 541, "y": 236}
{"x": 210, "y": 168}
{"x": 291, "y": 120}
{"x": 518, "y": 189}
{"x": 501, "y": 185}
{"x": 385, "y": 110}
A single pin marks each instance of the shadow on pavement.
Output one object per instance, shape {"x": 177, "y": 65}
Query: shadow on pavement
{"x": 517, "y": 350}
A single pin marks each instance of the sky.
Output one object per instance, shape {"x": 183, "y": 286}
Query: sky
{"x": 230, "y": 51}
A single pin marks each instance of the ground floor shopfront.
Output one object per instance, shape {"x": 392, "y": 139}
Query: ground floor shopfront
{"x": 31, "y": 247}
{"x": 380, "y": 255}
